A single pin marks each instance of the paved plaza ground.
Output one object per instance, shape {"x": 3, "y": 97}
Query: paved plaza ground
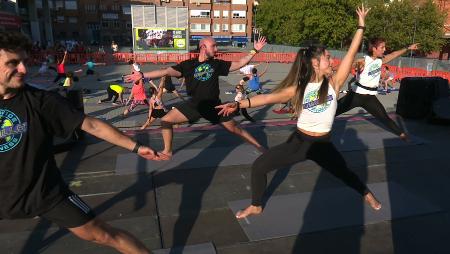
{"x": 188, "y": 204}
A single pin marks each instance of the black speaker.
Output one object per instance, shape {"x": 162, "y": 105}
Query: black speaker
{"x": 417, "y": 95}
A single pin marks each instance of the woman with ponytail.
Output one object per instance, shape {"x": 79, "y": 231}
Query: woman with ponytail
{"x": 314, "y": 97}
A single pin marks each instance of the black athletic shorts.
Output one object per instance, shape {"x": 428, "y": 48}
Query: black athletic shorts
{"x": 71, "y": 212}
{"x": 158, "y": 113}
{"x": 89, "y": 72}
{"x": 195, "y": 110}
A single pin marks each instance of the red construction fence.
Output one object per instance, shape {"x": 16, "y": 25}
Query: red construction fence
{"x": 81, "y": 58}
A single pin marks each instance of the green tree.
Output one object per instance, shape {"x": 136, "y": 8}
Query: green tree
{"x": 332, "y": 22}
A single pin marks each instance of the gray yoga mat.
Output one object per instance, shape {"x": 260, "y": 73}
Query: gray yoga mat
{"x": 189, "y": 158}
{"x": 204, "y": 248}
{"x": 321, "y": 210}
{"x": 355, "y": 140}
{"x": 349, "y": 140}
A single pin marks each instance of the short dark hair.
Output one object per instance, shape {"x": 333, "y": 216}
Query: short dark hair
{"x": 374, "y": 43}
{"x": 14, "y": 41}
{"x": 254, "y": 70}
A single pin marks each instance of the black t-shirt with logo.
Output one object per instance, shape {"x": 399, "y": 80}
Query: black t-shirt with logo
{"x": 30, "y": 182}
{"x": 202, "y": 78}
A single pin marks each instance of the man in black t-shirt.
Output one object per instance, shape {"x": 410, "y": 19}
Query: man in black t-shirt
{"x": 30, "y": 182}
{"x": 202, "y": 85}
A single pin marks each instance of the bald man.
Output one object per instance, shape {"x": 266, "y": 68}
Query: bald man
{"x": 202, "y": 85}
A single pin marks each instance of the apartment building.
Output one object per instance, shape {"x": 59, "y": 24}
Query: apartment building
{"x": 228, "y": 21}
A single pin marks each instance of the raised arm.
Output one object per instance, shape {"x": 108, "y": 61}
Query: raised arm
{"x": 265, "y": 70}
{"x": 395, "y": 54}
{"x": 64, "y": 58}
{"x": 259, "y": 45}
{"x": 344, "y": 68}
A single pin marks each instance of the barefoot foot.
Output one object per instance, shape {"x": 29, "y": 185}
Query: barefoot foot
{"x": 404, "y": 137}
{"x": 372, "y": 201}
{"x": 251, "y": 210}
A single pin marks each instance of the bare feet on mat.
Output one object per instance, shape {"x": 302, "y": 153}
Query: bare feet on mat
{"x": 165, "y": 156}
{"x": 251, "y": 210}
{"x": 372, "y": 201}
{"x": 405, "y": 137}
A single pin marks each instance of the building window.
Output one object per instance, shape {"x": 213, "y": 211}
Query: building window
{"x": 60, "y": 19}
{"x": 239, "y": 1}
{"x": 73, "y": 20}
{"x": 225, "y": 14}
{"x": 90, "y": 7}
{"x": 71, "y": 5}
{"x": 93, "y": 26}
{"x": 115, "y": 7}
{"x": 126, "y": 9}
{"x": 59, "y": 4}
{"x": 102, "y": 7}
{"x": 216, "y": 14}
{"x": 239, "y": 14}
{"x": 238, "y": 28}
{"x": 200, "y": 28}
{"x": 200, "y": 13}
{"x": 224, "y": 27}
{"x": 216, "y": 27}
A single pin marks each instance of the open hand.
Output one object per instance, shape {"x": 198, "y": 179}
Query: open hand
{"x": 414, "y": 46}
{"x": 150, "y": 154}
{"x": 135, "y": 76}
{"x": 362, "y": 13}
{"x": 260, "y": 43}
{"x": 227, "y": 109}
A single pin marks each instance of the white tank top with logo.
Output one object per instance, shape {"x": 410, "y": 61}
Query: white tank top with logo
{"x": 317, "y": 117}
{"x": 370, "y": 76}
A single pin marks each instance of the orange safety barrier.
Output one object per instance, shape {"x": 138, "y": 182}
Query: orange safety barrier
{"x": 273, "y": 57}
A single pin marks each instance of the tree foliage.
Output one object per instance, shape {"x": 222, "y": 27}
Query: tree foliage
{"x": 333, "y": 22}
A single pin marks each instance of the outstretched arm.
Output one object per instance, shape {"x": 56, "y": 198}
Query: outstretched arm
{"x": 344, "y": 68}
{"x": 112, "y": 135}
{"x": 398, "y": 53}
{"x": 153, "y": 74}
{"x": 281, "y": 96}
{"x": 259, "y": 45}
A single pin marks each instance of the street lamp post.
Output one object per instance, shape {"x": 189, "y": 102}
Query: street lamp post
{"x": 255, "y": 30}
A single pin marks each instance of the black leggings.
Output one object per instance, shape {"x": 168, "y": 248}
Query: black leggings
{"x": 111, "y": 94}
{"x": 371, "y": 104}
{"x": 300, "y": 147}
{"x": 246, "y": 115}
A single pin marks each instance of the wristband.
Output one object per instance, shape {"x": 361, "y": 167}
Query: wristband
{"x": 238, "y": 105}
{"x": 136, "y": 147}
{"x": 249, "y": 103}
{"x": 361, "y": 27}
{"x": 253, "y": 52}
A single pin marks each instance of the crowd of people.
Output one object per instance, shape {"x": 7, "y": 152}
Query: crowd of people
{"x": 34, "y": 186}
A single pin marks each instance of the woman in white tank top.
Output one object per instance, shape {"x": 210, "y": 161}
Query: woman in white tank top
{"x": 363, "y": 92}
{"x": 314, "y": 97}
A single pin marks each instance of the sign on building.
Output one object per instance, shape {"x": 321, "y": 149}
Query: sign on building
{"x": 159, "y": 28}
{"x": 160, "y": 38}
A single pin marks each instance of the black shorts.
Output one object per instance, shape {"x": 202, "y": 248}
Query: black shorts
{"x": 195, "y": 110}
{"x": 169, "y": 88}
{"x": 71, "y": 212}
{"x": 158, "y": 113}
{"x": 89, "y": 72}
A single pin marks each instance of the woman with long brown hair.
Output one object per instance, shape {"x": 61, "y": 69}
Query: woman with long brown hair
{"x": 314, "y": 97}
